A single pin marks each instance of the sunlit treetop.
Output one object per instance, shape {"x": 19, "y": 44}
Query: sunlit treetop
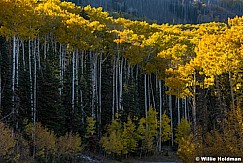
{"x": 237, "y": 21}
{"x": 72, "y": 31}
{"x": 51, "y": 14}
{"x": 17, "y": 18}
{"x": 96, "y": 14}
{"x": 70, "y": 7}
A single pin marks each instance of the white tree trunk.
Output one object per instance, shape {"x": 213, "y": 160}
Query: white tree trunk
{"x": 152, "y": 91}
{"x": 17, "y": 62}
{"x": 35, "y": 84}
{"x": 13, "y": 77}
{"x": 194, "y": 109}
{"x": 30, "y": 81}
{"x": 0, "y": 80}
{"x": 137, "y": 72}
{"x": 23, "y": 55}
{"x": 93, "y": 58}
{"x": 145, "y": 95}
{"x": 31, "y": 97}
{"x": 128, "y": 71}
{"x": 17, "y": 77}
{"x": 148, "y": 88}
{"x": 82, "y": 63}
{"x": 121, "y": 83}
{"x": 185, "y": 108}
{"x": 96, "y": 76}
{"x": 45, "y": 51}
{"x": 171, "y": 120}
{"x": 100, "y": 86}
{"x": 114, "y": 87}
{"x": 38, "y": 53}
{"x": 116, "y": 84}
{"x": 160, "y": 114}
{"x": 82, "y": 106}
{"x": 60, "y": 69}
{"x": 178, "y": 110}
{"x": 73, "y": 81}
{"x": 76, "y": 76}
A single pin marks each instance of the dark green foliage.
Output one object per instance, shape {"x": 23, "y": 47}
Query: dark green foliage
{"x": 170, "y": 11}
{"x": 106, "y": 96}
{"x": 51, "y": 111}
{"x": 5, "y": 47}
{"x": 130, "y": 100}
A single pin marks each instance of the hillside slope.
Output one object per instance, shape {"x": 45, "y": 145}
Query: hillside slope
{"x": 172, "y": 11}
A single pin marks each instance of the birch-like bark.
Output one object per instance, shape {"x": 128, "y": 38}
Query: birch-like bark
{"x": 55, "y": 45}
{"x": 152, "y": 91}
{"x": 116, "y": 83}
{"x": 178, "y": 110}
{"x": 137, "y": 72}
{"x": 45, "y": 51}
{"x": 194, "y": 109}
{"x": 82, "y": 106}
{"x": 76, "y": 76}
{"x": 63, "y": 64}
{"x": 93, "y": 58}
{"x": 82, "y": 63}
{"x": 13, "y": 76}
{"x": 73, "y": 81}
{"x": 35, "y": 83}
{"x": 186, "y": 108}
{"x": 160, "y": 114}
{"x": 0, "y": 80}
{"x": 100, "y": 86}
{"x": 114, "y": 87}
{"x": 38, "y": 53}
{"x": 171, "y": 120}
{"x": 23, "y": 55}
{"x": 148, "y": 90}
{"x": 125, "y": 70}
{"x": 92, "y": 83}
{"x": 128, "y": 71}
{"x": 60, "y": 69}
{"x": 17, "y": 62}
{"x": 121, "y": 83}
{"x": 96, "y": 77}
{"x": 31, "y": 97}
{"x": 30, "y": 80}
{"x": 17, "y": 79}
{"x": 145, "y": 95}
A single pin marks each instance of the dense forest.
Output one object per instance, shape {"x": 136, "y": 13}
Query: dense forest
{"x": 170, "y": 11}
{"x": 76, "y": 79}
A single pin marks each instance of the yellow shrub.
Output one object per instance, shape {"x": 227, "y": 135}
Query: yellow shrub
{"x": 7, "y": 142}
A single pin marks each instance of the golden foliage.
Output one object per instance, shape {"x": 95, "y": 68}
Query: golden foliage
{"x": 182, "y": 130}
{"x": 186, "y": 150}
{"x": 112, "y": 141}
{"x": 47, "y": 144}
{"x": 129, "y": 136}
{"x": 166, "y": 129}
{"x": 69, "y": 144}
{"x": 90, "y": 129}
{"x": 7, "y": 141}
{"x": 229, "y": 142}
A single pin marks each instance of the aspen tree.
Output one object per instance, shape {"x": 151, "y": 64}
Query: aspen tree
{"x": 165, "y": 127}
{"x": 160, "y": 114}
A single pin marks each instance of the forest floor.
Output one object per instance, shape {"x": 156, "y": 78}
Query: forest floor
{"x": 163, "y": 157}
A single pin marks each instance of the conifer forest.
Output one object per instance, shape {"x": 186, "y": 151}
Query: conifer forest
{"x": 123, "y": 81}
